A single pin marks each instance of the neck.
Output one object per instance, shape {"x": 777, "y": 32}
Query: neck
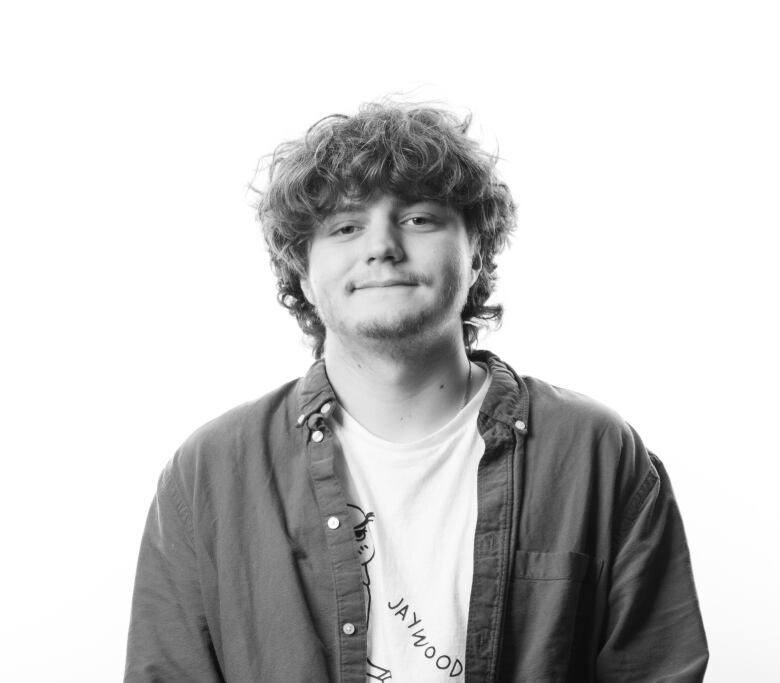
{"x": 402, "y": 396}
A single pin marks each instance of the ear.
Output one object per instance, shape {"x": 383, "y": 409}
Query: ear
{"x": 476, "y": 265}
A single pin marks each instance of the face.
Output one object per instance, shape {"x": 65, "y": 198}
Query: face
{"x": 390, "y": 270}
{"x": 361, "y": 523}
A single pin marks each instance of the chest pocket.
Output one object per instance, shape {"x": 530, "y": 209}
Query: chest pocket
{"x": 550, "y": 597}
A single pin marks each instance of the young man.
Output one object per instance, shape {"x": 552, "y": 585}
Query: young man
{"x": 411, "y": 509}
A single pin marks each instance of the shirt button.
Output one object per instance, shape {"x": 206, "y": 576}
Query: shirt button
{"x": 333, "y": 522}
{"x": 326, "y": 408}
{"x": 301, "y": 418}
{"x": 520, "y": 425}
{"x": 348, "y": 628}
{"x": 316, "y": 436}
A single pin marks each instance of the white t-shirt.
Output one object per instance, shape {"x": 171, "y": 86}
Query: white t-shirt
{"x": 414, "y": 510}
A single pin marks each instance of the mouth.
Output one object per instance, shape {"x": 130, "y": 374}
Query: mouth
{"x": 382, "y": 284}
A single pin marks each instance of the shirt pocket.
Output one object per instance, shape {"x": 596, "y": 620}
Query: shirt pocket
{"x": 550, "y": 597}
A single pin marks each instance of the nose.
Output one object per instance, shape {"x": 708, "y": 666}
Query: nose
{"x": 384, "y": 241}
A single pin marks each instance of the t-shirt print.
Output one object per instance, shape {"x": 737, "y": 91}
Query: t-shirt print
{"x": 405, "y": 616}
{"x": 366, "y": 552}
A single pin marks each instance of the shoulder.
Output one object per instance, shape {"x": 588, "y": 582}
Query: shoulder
{"x": 549, "y": 409}
{"x": 224, "y": 443}
{"x": 588, "y": 435}
{"x": 573, "y": 415}
{"x": 245, "y": 419}
{"x": 569, "y": 409}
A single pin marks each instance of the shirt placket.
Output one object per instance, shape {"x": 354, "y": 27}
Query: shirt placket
{"x": 498, "y": 498}
{"x": 350, "y": 609}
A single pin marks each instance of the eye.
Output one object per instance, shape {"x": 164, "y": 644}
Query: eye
{"x": 419, "y": 221}
{"x": 348, "y": 229}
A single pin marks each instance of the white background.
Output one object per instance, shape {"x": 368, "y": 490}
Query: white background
{"x": 641, "y": 142}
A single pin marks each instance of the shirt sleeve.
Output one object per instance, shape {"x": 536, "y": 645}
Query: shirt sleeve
{"x": 168, "y": 638}
{"x": 654, "y": 630}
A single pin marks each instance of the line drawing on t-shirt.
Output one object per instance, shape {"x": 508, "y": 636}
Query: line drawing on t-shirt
{"x": 366, "y": 551}
{"x": 378, "y": 672}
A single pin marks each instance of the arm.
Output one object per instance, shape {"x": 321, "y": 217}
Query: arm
{"x": 168, "y": 638}
{"x": 654, "y": 630}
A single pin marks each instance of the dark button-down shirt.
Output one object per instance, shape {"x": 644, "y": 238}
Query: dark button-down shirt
{"x": 581, "y": 568}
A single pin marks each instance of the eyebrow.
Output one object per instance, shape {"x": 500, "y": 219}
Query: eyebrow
{"x": 347, "y": 205}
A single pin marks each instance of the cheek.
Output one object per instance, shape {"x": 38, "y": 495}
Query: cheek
{"x": 455, "y": 269}
{"x": 328, "y": 269}
{"x": 319, "y": 278}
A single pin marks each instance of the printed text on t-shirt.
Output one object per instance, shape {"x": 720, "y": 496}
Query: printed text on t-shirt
{"x": 442, "y": 661}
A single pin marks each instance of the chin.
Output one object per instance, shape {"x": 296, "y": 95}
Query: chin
{"x": 402, "y": 327}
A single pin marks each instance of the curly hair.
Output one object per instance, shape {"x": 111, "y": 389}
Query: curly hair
{"x": 414, "y": 152}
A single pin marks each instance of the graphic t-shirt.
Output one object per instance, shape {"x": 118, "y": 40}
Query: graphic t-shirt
{"x": 413, "y": 507}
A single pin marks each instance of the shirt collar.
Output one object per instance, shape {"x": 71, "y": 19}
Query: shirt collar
{"x": 506, "y": 400}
